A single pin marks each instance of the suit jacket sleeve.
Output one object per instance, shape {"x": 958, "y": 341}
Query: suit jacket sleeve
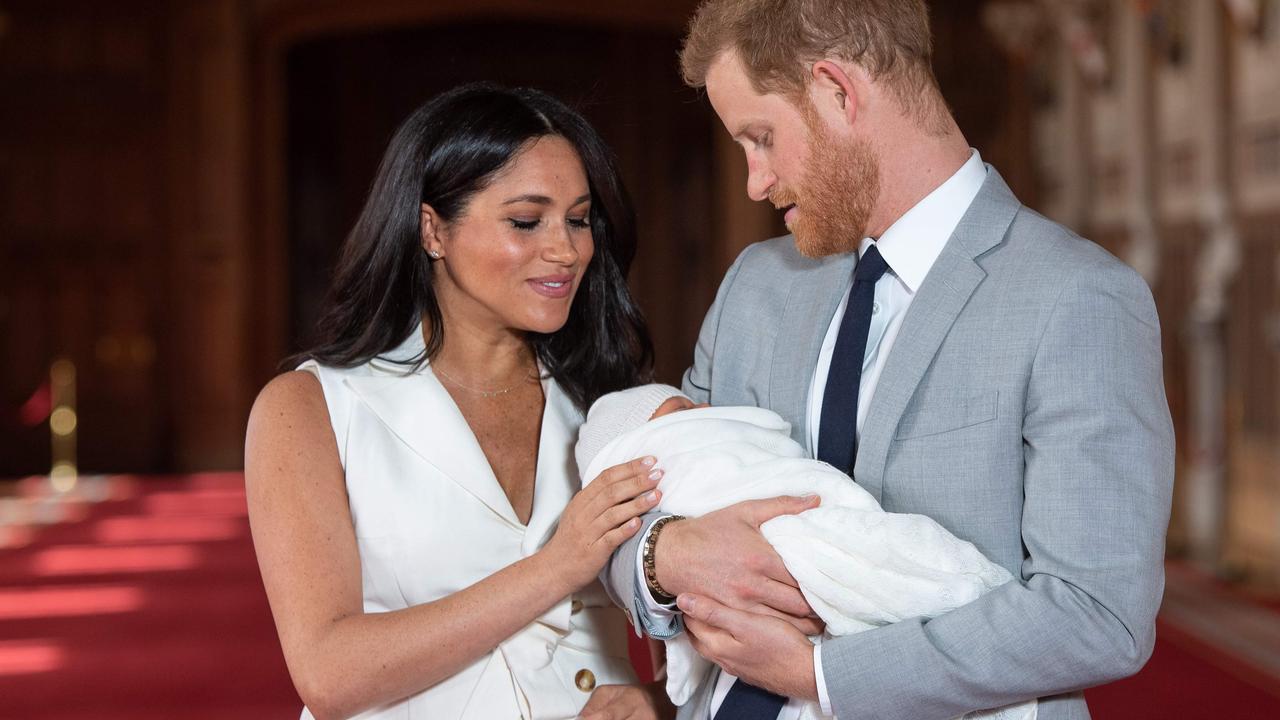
{"x": 1098, "y": 475}
{"x": 621, "y": 575}
{"x": 697, "y": 379}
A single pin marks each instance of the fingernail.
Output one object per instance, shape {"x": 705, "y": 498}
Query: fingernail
{"x": 685, "y": 602}
{"x": 655, "y": 475}
{"x": 652, "y": 496}
{"x": 649, "y": 461}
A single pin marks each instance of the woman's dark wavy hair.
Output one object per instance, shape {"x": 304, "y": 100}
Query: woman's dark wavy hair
{"x": 449, "y": 149}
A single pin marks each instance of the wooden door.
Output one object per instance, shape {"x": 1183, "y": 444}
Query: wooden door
{"x": 83, "y": 226}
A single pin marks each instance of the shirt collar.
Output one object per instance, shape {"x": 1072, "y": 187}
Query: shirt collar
{"x": 913, "y": 243}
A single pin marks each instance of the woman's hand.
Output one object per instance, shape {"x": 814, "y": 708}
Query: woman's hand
{"x": 600, "y": 518}
{"x": 628, "y": 702}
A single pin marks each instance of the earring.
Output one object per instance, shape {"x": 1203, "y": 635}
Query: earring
{"x": 435, "y": 254}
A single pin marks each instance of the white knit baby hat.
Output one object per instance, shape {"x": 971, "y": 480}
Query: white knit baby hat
{"x": 615, "y": 414}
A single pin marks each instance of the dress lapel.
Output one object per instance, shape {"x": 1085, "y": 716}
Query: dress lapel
{"x": 941, "y": 297}
{"x": 420, "y": 412}
{"x": 557, "y": 474}
{"x": 811, "y": 302}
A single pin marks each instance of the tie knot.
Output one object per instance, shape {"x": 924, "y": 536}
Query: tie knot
{"x": 871, "y": 266}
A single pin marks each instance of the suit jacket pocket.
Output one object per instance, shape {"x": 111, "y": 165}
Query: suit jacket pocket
{"x": 944, "y": 412}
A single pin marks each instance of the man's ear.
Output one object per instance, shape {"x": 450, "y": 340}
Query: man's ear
{"x": 430, "y": 227}
{"x": 834, "y": 92}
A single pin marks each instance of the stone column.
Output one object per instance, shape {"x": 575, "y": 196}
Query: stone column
{"x": 1217, "y": 261}
{"x": 1074, "y": 69}
{"x": 1136, "y": 87}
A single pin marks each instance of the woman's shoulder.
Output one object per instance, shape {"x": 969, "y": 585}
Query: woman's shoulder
{"x": 313, "y": 402}
{"x": 297, "y": 394}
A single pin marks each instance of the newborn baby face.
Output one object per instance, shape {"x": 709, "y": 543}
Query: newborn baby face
{"x": 676, "y": 404}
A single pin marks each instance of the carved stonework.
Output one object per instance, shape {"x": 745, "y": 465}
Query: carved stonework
{"x": 1052, "y": 127}
{"x": 1256, "y": 106}
{"x": 1110, "y": 167}
{"x": 1083, "y": 25}
{"x": 1108, "y": 114}
{"x": 1018, "y": 26}
{"x": 1182, "y": 106}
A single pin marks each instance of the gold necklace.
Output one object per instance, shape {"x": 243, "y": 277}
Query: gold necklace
{"x": 478, "y": 391}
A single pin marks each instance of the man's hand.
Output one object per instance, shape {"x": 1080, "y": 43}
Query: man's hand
{"x": 722, "y": 555}
{"x": 764, "y": 651}
{"x": 628, "y": 702}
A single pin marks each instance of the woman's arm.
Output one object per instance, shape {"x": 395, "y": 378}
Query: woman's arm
{"x": 342, "y": 660}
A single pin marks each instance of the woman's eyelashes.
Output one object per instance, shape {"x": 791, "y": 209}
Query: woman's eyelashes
{"x": 519, "y": 224}
{"x": 575, "y": 223}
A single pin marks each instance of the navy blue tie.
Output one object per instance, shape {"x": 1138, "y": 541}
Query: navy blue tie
{"x": 748, "y": 702}
{"x": 838, "y": 431}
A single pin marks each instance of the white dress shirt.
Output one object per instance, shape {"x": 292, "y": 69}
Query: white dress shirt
{"x": 910, "y": 247}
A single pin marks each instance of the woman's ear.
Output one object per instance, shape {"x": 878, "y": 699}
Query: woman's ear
{"x": 429, "y": 222}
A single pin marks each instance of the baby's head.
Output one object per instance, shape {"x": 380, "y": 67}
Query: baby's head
{"x": 623, "y": 411}
{"x": 675, "y": 403}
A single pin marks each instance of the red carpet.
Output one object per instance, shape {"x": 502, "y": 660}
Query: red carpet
{"x": 1187, "y": 680}
{"x": 149, "y": 606}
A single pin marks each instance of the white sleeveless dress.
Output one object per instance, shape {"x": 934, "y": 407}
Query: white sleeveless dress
{"x": 430, "y": 519}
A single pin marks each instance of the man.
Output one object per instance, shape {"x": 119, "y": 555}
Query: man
{"x": 959, "y": 355}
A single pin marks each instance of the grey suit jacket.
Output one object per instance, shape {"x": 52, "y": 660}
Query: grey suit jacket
{"x": 1022, "y": 406}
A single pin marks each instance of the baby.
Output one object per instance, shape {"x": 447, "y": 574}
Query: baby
{"x": 857, "y": 565}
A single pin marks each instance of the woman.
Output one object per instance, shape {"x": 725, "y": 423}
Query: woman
{"x": 406, "y": 483}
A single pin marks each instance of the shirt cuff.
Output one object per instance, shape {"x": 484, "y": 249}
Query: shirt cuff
{"x": 824, "y": 700}
{"x": 660, "y": 621}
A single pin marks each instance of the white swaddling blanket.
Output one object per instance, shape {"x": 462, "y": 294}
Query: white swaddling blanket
{"x": 858, "y": 566}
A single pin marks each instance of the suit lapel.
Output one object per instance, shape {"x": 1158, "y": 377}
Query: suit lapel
{"x": 810, "y": 305}
{"x": 938, "y": 302}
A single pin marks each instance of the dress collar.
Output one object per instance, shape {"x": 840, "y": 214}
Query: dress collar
{"x": 401, "y": 358}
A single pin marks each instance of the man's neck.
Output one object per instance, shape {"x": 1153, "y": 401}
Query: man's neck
{"x": 912, "y": 165}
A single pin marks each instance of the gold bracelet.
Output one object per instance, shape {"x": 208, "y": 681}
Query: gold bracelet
{"x": 647, "y": 560}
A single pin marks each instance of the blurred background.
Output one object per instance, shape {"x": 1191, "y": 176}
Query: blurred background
{"x": 177, "y": 176}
